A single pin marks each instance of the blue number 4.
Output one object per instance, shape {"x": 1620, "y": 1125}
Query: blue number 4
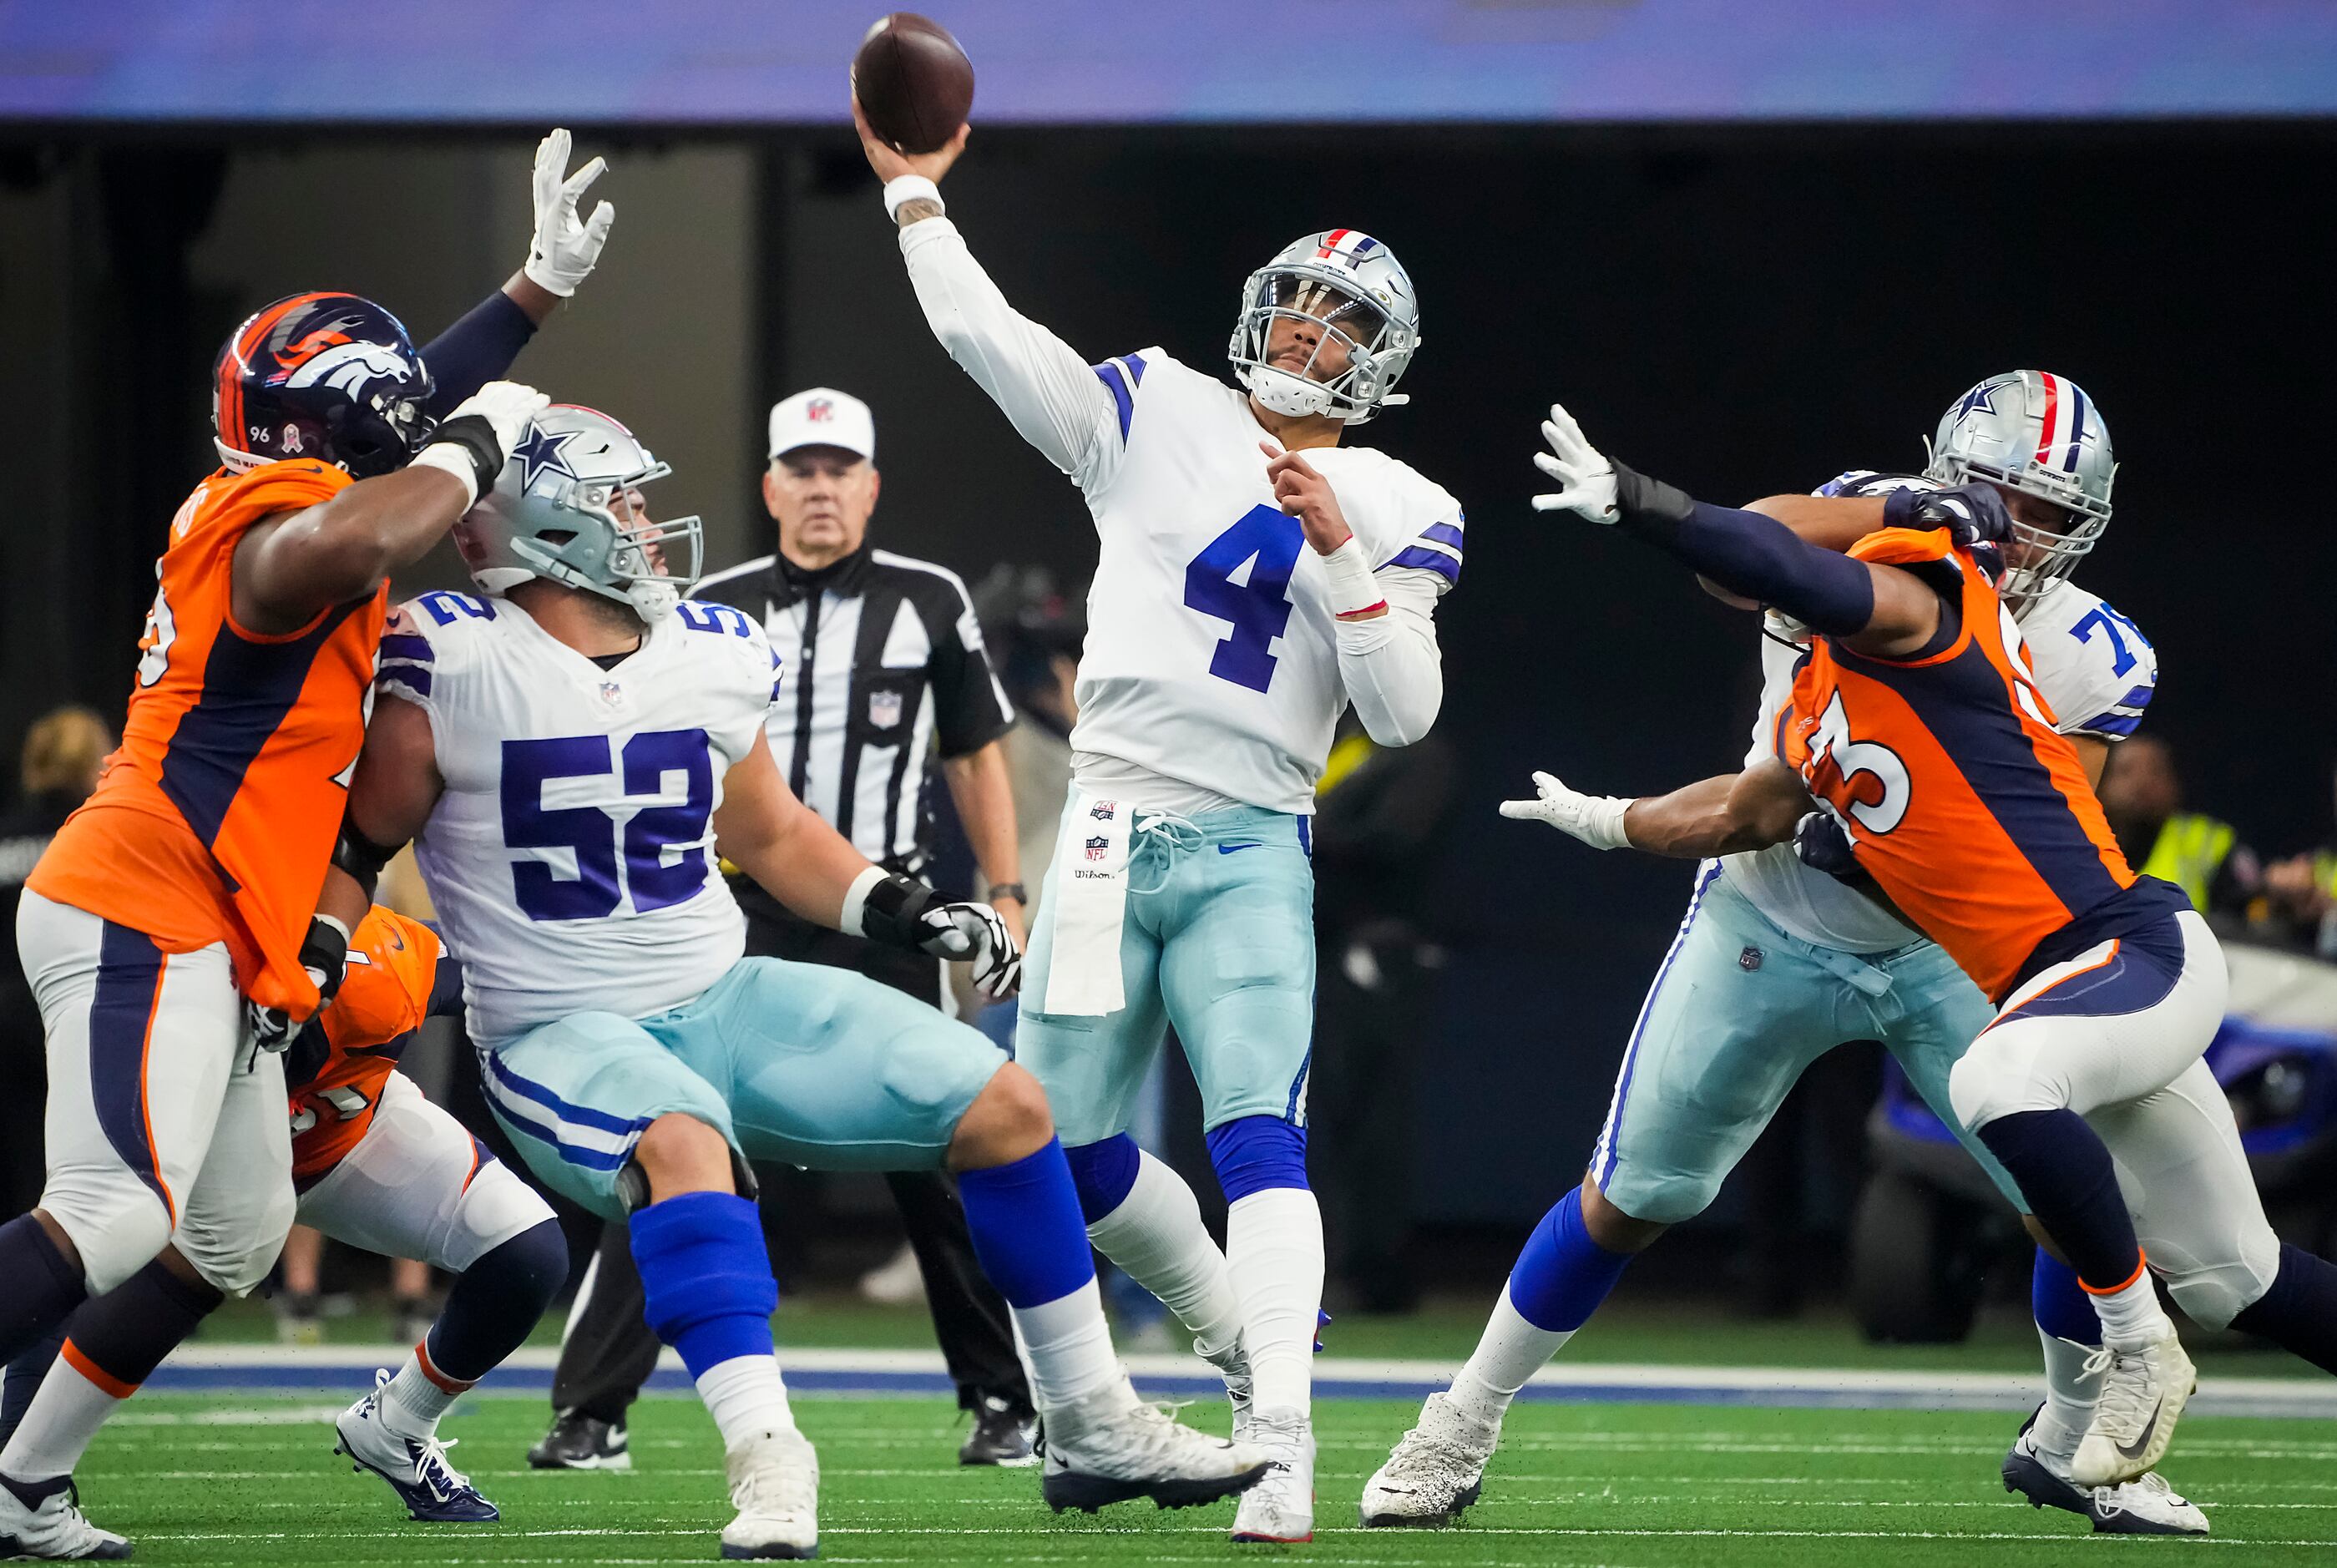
{"x": 2110, "y": 621}
{"x": 590, "y": 833}
{"x": 1266, "y": 541}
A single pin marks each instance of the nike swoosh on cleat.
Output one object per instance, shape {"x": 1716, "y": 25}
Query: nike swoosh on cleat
{"x": 2149, "y": 1427}
{"x": 1230, "y": 848}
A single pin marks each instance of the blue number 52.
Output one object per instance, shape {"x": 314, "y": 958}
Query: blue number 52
{"x": 591, "y": 834}
{"x": 1266, "y": 541}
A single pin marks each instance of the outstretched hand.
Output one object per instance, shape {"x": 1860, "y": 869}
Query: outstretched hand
{"x": 1596, "y": 819}
{"x": 564, "y": 249}
{"x": 890, "y": 163}
{"x": 1586, "y": 479}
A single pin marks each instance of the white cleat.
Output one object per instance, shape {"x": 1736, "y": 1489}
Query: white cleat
{"x": 774, "y": 1486}
{"x": 2143, "y": 1395}
{"x": 42, "y": 1521}
{"x": 1436, "y": 1470}
{"x": 1110, "y": 1447}
{"x": 2148, "y": 1506}
{"x": 1280, "y": 1508}
{"x": 1240, "y": 1388}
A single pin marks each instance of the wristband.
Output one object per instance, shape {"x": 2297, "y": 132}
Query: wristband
{"x": 883, "y": 908}
{"x": 1353, "y": 589}
{"x": 1602, "y": 822}
{"x": 909, "y": 188}
{"x": 455, "y": 460}
{"x": 1015, "y": 890}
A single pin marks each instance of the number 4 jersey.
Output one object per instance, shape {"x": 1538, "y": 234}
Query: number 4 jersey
{"x": 1212, "y": 655}
{"x": 571, "y": 856}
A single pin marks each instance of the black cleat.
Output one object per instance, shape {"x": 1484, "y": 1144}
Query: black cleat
{"x": 1001, "y": 1435}
{"x": 581, "y": 1442}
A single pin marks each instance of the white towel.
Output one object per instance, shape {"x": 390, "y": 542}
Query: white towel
{"x": 1089, "y": 905}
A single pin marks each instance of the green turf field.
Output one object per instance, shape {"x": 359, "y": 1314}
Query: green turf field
{"x": 240, "y": 1479}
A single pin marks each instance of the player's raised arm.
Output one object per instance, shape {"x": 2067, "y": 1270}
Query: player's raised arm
{"x": 806, "y": 865}
{"x": 1053, "y": 396}
{"x": 1727, "y": 814}
{"x": 1885, "y": 612}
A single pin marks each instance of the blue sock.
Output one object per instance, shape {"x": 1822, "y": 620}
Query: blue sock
{"x": 2061, "y": 1306}
{"x": 1562, "y": 1275}
{"x": 706, "y": 1278}
{"x": 1027, "y": 1229}
{"x": 1104, "y": 1174}
{"x": 2298, "y": 1313}
{"x": 22, "y": 1380}
{"x": 1258, "y": 1153}
{"x": 2064, "y": 1168}
{"x": 497, "y": 1301}
{"x": 43, "y": 1287}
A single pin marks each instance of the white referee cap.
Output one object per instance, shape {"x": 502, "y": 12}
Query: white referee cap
{"x": 823, "y": 417}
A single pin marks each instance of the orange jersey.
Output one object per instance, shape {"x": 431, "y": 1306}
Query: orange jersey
{"x": 338, "y": 1065}
{"x": 215, "y": 820}
{"x": 1962, "y": 801}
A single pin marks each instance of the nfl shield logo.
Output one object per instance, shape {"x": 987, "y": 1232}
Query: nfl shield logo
{"x": 612, "y": 692}
{"x": 1749, "y": 960}
{"x": 1098, "y": 848}
{"x": 883, "y": 709}
{"x": 820, "y": 410}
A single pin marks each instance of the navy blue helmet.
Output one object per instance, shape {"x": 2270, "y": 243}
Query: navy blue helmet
{"x": 325, "y": 376}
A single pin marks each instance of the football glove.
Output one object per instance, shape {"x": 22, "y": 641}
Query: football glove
{"x": 973, "y": 933}
{"x": 1973, "y": 513}
{"x": 1824, "y": 844}
{"x": 1596, "y": 819}
{"x": 325, "y": 955}
{"x": 1586, "y": 479}
{"x": 562, "y": 251}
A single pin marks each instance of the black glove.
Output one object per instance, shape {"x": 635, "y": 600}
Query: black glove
{"x": 325, "y": 954}
{"x": 1974, "y": 513}
{"x": 1824, "y": 844}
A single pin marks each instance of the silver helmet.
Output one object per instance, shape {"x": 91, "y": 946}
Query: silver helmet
{"x": 1347, "y": 287}
{"x": 560, "y": 510}
{"x": 2040, "y": 434}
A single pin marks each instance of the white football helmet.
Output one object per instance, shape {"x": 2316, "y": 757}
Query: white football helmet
{"x": 559, "y": 511}
{"x": 1347, "y": 286}
{"x": 2040, "y": 434}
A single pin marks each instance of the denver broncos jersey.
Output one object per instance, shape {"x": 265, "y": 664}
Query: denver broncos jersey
{"x": 215, "y": 820}
{"x": 337, "y": 1065}
{"x": 2094, "y": 666}
{"x": 571, "y": 855}
{"x": 1960, "y": 795}
{"x": 1212, "y": 654}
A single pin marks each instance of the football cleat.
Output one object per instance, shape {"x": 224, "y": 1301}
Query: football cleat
{"x": 1240, "y": 1388}
{"x": 1436, "y": 1470}
{"x": 42, "y": 1521}
{"x": 1002, "y": 1435}
{"x": 581, "y": 1442}
{"x": 1280, "y": 1507}
{"x": 2143, "y": 1395}
{"x": 432, "y": 1491}
{"x": 774, "y": 1486}
{"x": 1110, "y": 1447}
{"x": 2146, "y": 1506}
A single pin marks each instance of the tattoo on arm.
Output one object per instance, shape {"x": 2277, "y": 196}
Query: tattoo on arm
{"x": 918, "y": 210}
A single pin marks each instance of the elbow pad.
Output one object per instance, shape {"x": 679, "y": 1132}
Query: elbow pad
{"x": 360, "y": 857}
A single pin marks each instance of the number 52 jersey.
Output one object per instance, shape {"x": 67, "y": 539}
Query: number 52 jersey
{"x": 571, "y": 856}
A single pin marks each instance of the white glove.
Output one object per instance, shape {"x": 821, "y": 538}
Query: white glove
{"x": 562, "y": 254}
{"x": 974, "y": 931}
{"x": 1586, "y": 479}
{"x": 1596, "y": 819}
{"x": 509, "y": 406}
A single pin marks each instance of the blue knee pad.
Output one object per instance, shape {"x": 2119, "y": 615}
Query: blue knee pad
{"x": 1562, "y": 1275}
{"x": 1104, "y": 1174}
{"x": 1258, "y": 1153}
{"x": 2060, "y": 1304}
{"x": 705, "y": 1279}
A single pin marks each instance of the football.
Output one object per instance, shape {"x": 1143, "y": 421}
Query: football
{"x": 914, "y": 83}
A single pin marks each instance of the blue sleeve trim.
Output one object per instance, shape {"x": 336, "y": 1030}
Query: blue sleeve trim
{"x": 1135, "y": 363}
{"x": 406, "y": 645}
{"x": 1445, "y": 566}
{"x": 1443, "y": 533}
{"x": 2138, "y": 697}
{"x": 413, "y": 679}
{"x": 1115, "y": 381}
{"x": 2118, "y": 724}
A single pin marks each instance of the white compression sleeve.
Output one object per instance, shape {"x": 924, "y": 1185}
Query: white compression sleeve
{"x": 1054, "y": 400}
{"x": 1510, "y": 1352}
{"x": 1157, "y": 1237}
{"x": 1390, "y": 664}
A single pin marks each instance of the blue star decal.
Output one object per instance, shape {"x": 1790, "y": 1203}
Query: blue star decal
{"x": 540, "y": 451}
{"x": 1983, "y": 397}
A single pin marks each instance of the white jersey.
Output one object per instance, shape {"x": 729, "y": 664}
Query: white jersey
{"x": 2097, "y": 672}
{"x": 571, "y": 855}
{"x": 1215, "y": 670}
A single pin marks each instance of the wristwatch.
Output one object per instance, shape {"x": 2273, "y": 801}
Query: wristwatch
{"x": 1013, "y": 890}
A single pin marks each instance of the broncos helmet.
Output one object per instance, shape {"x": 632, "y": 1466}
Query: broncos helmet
{"x": 325, "y": 376}
{"x": 1349, "y": 287}
{"x": 2040, "y": 434}
{"x": 560, "y": 511}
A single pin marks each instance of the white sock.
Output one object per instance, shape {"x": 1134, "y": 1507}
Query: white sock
{"x": 2131, "y": 1316}
{"x": 1157, "y": 1237}
{"x": 412, "y": 1402}
{"x": 64, "y": 1415}
{"x": 2071, "y": 1396}
{"x": 747, "y": 1397}
{"x": 1510, "y": 1352}
{"x": 1066, "y": 1347}
{"x": 1273, "y": 1252}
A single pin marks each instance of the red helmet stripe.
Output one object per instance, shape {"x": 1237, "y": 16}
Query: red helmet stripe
{"x": 2052, "y": 405}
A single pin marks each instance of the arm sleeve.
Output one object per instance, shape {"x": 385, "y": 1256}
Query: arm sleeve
{"x": 1054, "y": 400}
{"x": 970, "y": 706}
{"x": 474, "y": 350}
{"x": 1390, "y": 664}
{"x": 446, "y": 988}
{"x": 1757, "y": 558}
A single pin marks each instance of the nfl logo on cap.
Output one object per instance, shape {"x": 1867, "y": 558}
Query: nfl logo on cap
{"x": 823, "y": 417}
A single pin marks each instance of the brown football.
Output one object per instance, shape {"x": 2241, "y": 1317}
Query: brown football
{"x": 914, "y": 83}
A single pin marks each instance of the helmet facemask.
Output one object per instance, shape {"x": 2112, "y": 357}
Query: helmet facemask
{"x": 2035, "y": 558}
{"x": 2038, "y": 435}
{"x": 1355, "y": 318}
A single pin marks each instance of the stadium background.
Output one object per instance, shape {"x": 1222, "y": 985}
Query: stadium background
{"x": 1740, "y": 292}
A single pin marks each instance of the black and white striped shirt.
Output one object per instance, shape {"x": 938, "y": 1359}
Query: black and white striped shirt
{"x": 879, "y": 656}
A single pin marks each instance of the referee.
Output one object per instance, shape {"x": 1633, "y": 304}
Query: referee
{"x": 880, "y": 659}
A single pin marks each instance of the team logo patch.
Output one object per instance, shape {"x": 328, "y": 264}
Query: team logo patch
{"x": 1102, "y": 811}
{"x": 1097, "y": 847}
{"x": 883, "y": 709}
{"x": 1749, "y": 960}
{"x": 612, "y": 692}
